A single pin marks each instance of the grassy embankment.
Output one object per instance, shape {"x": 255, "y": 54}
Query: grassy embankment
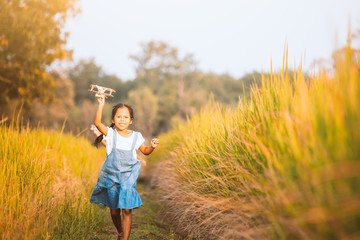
{"x": 285, "y": 165}
{"x": 46, "y": 181}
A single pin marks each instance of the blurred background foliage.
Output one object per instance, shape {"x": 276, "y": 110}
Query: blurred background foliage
{"x": 31, "y": 39}
{"x": 167, "y": 88}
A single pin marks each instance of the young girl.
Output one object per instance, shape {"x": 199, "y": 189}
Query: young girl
{"x": 102, "y": 139}
{"x": 117, "y": 179}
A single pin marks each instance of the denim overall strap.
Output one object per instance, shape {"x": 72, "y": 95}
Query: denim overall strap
{"x": 114, "y": 140}
{"x": 134, "y": 141}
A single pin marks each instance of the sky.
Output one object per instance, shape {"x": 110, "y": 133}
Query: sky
{"x": 225, "y": 36}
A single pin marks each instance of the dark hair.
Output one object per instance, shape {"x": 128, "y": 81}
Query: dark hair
{"x": 113, "y": 112}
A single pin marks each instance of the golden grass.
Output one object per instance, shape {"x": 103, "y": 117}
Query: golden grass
{"x": 284, "y": 165}
{"x": 46, "y": 181}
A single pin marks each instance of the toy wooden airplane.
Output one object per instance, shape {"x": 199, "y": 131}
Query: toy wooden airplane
{"x": 101, "y": 91}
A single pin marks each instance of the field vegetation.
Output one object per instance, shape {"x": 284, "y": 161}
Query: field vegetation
{"x": 272, "y": 156}
{"x": 47, "y": 178}
{"x": 283, "y": 165}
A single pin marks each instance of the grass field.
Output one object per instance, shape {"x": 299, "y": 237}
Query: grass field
{"x": 47, "y": 178}
{"x": 284, "y": 165}
{"x": 147, "y": 223}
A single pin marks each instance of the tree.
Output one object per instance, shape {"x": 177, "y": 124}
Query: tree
{"x": 158, "y": 61}
{"x": 82, "y": 75}
{"x": 160, "y": 67}
{"x": 145, "y": 105}
{"x": 87, "y": 72}
{"x": 168, "y": 104}
{"x": 54, "y": 114}
{"x": 112, "y": 81}
{"x": 31, "y": 39}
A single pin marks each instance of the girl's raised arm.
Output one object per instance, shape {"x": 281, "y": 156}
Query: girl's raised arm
{"x": 102, "y": 128}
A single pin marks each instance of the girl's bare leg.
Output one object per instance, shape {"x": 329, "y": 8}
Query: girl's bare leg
{"x": 116, "y": 218}
{"x": 127, "y": 215}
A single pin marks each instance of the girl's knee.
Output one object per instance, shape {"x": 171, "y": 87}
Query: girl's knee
{"x": 127, "y": 211}
{"x": 115, "y": 212}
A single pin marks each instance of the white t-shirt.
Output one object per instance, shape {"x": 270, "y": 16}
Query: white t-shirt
{"x": 123, "y": 143}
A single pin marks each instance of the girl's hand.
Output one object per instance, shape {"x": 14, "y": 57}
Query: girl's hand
{"x": 95, "y": 130}
{"x": 155, "y": 142}
{"x": 101, "y": 100}
{"x": 143, "y": 162}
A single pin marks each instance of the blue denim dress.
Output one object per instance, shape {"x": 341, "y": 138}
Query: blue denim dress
{"x": 116, "y": 184}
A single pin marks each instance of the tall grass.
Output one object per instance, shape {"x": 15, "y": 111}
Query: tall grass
{"x": 284, "y": 165}
{"x": 46, "y": 179}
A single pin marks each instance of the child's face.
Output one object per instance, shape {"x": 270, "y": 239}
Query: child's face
{"x": 122, "y": 118}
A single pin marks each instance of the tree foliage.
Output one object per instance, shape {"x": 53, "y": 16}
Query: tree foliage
{"x": 31, "y": 39}
{"x": 166, "y": 91}
{"x": 179, "y": 86}
{"x": 145, "y": 104}
{"x": 88, "y": 72}
{"x": 54, "y": 114}
{"x": 158, "y": 61}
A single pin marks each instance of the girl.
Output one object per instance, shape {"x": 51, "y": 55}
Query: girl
{"x": 117, "y": 179}
{"x": 103, "y": 141}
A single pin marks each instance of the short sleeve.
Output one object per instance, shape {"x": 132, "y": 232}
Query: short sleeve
{"x": 109, "y": 133}
{"x": 109, "y": 140}
{"x": 139, "y": 141}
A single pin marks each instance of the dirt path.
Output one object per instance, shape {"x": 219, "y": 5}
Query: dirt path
{"x": 147, "y": 222}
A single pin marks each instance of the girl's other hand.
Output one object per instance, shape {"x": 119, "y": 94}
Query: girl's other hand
{"x": 143, "y": 162}
{"x": 155, "y": 142}
{"x": 95, "y": 130}
{"x": 101, "y": 100}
